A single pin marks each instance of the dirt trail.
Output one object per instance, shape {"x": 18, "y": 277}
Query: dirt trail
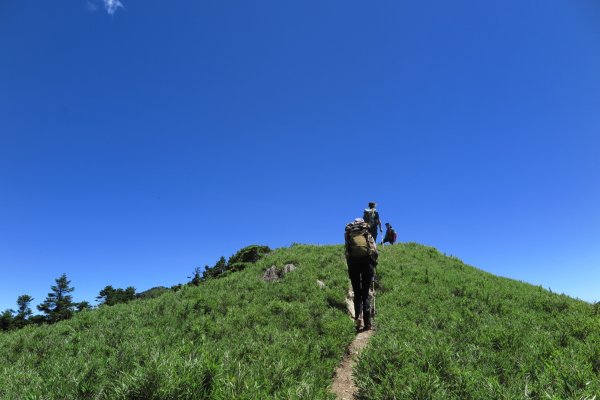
{"x": 343, "y": 385}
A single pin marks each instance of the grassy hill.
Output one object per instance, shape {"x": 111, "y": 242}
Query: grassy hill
{"x": 236, "y": 337}
{"x": 450, "y": 331}
{"x": 445, "y": 331}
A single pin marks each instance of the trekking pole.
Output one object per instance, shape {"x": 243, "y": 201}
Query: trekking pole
{"x": 373, "y": 299}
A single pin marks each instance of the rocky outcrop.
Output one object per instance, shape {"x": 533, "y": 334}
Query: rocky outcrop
{"x": 274, "y": 273}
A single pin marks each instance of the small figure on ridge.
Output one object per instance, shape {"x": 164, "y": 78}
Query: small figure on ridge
{"x": 371, "y": 217}
{"x": 390, "y": 234}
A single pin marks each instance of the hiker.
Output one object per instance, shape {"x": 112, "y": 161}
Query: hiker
{"x": 361, "y": 257}
{"x": 390, "y": 234}
{"x": 371, "y": 217}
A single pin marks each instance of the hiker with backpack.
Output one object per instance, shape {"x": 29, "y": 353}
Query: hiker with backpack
{"x": 371, "y": 217}
{"x": 390, "y": 234}
{"x": 361, "y": 257}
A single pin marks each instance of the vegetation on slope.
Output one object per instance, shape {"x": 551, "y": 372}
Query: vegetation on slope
{"x": 59, "y": 306}
{"x": 449, "y": 331}
{"x": 235, "y": 337}
{"x": 445, "y": 331}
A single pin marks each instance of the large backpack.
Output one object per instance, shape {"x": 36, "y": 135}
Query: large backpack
{"x": 359, "y": 242}
{"x": 370, "y": 216}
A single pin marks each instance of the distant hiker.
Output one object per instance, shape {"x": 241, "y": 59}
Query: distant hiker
{"x": 390, "y": 234}
{"x": 371, "y": 217}
{"x": 361, "y": 257}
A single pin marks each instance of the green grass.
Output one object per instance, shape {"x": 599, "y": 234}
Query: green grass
{"x": 450, "y": 331}
{"x": 445, "y": 331}
{"x": 231, "y": 338}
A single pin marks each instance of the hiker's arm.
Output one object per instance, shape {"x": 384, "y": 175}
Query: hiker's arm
{"x": 374, "y": 254}
{"x": 346, "y": 248}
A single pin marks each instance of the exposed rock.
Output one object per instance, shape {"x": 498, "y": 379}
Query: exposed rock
{"x": 288, "y": 268}
{"x": 271, "y": 274}
{"x": 274, "y": 274}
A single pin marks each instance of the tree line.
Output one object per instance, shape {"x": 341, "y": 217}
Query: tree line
{"x": 59, "y": 304}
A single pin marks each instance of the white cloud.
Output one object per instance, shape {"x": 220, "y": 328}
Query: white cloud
{"x": 112, "y": 6}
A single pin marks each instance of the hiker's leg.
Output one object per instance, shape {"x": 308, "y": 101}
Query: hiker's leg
{"x": 354, "y": 273}
{"x": 367, "y": 277}
{"x": 374, "y": 233}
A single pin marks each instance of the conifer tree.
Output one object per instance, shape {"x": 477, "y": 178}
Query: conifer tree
{"x": 196, "y": 277}
{"x": 111, "y": 296}
{"x": 6, "y": 320}
{"x": 106, "y": 295}
{"x": 83, "y": 305}
{"x": 221, "y": 266}
{"x": 59, "y": 303}
{"x": 218, "y": 269}
{"x": 24, "y": 311}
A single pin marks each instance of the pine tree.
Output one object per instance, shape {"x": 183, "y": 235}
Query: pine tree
{"x": 106, "y": 295}
{"x": 24, "y": 311}
{"x": 6, "y": 320}
{"x": 196, "y": 277}
{"x": 83, "y": 305}
{"x": 110, "y": 296}
{"x": 218, "y": 269}
{"x": 59, "y": 303}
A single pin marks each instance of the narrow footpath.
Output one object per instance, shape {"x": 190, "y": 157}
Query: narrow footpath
{"x": 343, "y": 385}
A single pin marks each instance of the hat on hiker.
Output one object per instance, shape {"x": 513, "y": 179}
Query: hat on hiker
{"x": 372, "y": 204}
{"x": 388, "y": 224}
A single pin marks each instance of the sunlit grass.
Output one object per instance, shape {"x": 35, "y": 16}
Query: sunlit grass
{"x": 445, "y": 330}
{"x": 450, "y": 331}
{"x": 232, "y": 338}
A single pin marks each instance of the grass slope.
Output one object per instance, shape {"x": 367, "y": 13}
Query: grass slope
{"x": 231, "y": 338}
{"x": 445, "y": 331}
{"x": 450, "y": 331}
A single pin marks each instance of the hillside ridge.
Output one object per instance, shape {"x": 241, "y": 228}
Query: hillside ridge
{"x": 445, "y": 330}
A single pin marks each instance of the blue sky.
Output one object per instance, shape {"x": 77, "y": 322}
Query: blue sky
{"x": 138, "y": 144}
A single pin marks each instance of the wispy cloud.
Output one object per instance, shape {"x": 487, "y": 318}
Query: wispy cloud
{"x": 112, "y": 6}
